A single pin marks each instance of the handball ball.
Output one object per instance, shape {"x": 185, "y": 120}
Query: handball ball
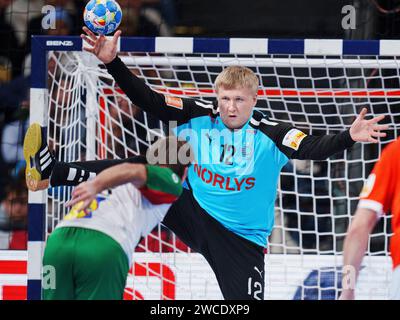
{"x": 102, "y": 16}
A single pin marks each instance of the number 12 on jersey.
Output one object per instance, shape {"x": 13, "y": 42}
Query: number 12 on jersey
{"x": 254, "y": 288}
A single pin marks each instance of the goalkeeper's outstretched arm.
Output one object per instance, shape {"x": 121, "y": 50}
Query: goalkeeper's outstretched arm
{"x": 355, "y": 245}
{"x": 165, "y": 108}
{"x": 295, "y": 144}
{"x": 361, "y": 130}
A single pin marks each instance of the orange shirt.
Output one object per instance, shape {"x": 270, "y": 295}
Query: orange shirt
{"x": 381, "y": 192}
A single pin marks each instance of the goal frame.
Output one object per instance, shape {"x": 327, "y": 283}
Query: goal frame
{"x": 41, "y": 45}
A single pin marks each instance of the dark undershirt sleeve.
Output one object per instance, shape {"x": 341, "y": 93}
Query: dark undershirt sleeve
{"x": 296, "y": 144}
{"x": 322, "y": 147}
{"x": 164, "y": 107}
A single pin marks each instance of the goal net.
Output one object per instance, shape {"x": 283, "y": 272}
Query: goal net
{"x": 316, "y": 85}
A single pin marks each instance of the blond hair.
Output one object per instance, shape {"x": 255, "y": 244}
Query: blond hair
{"x": 235, "y": 77}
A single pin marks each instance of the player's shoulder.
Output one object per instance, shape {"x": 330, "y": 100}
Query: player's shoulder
{"x": 268, "y": 126}
{"x": 284, "y": 135}
{"x": 195, "y": 105}
{"x": 392, "y": 149}
{"x": 204, "y": 107}
{"x": 395, "y": 144}
{"x": 388, "y": 161}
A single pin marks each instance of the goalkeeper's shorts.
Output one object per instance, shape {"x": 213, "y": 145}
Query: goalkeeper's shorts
{"x": 237, "y": 262}
{"x": 89, "y": 265}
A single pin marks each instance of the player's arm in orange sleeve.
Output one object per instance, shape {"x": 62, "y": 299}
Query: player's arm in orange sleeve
{"x": 375, "y": 199}
{"x": 354, "y": 248}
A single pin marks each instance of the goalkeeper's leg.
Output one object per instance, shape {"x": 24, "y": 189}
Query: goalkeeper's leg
{"x": 73, "y": 173}
{"x": 238, "y": 263}
{"x": 39, "y": 159}
{"x": 43, "y": 170}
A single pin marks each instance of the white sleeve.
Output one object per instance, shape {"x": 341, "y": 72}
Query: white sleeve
{"x": 371, "y": 205}
{"x": 154, "y": 214}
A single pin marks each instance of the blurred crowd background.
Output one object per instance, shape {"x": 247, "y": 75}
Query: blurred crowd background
{"x": 19, "y": 19}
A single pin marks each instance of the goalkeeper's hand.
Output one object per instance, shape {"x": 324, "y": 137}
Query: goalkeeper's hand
{"x": 363, "y": 130}
{"x": 104, "y": 49}
{"x": 85, "y": 193}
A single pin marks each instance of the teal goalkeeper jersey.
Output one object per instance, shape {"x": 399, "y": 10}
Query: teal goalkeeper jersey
{"x": 235, "y": 174}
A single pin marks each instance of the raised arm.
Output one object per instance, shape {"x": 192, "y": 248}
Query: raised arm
{"x": 109, "y": 178}
{"x": 164, "y": 107}
{"x": 154, "y": 177}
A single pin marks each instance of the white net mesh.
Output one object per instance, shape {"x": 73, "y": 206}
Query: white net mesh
{"x": 89, "y": 118}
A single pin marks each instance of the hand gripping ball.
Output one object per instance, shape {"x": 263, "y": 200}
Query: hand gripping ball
{"x": 102, "y": 16}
